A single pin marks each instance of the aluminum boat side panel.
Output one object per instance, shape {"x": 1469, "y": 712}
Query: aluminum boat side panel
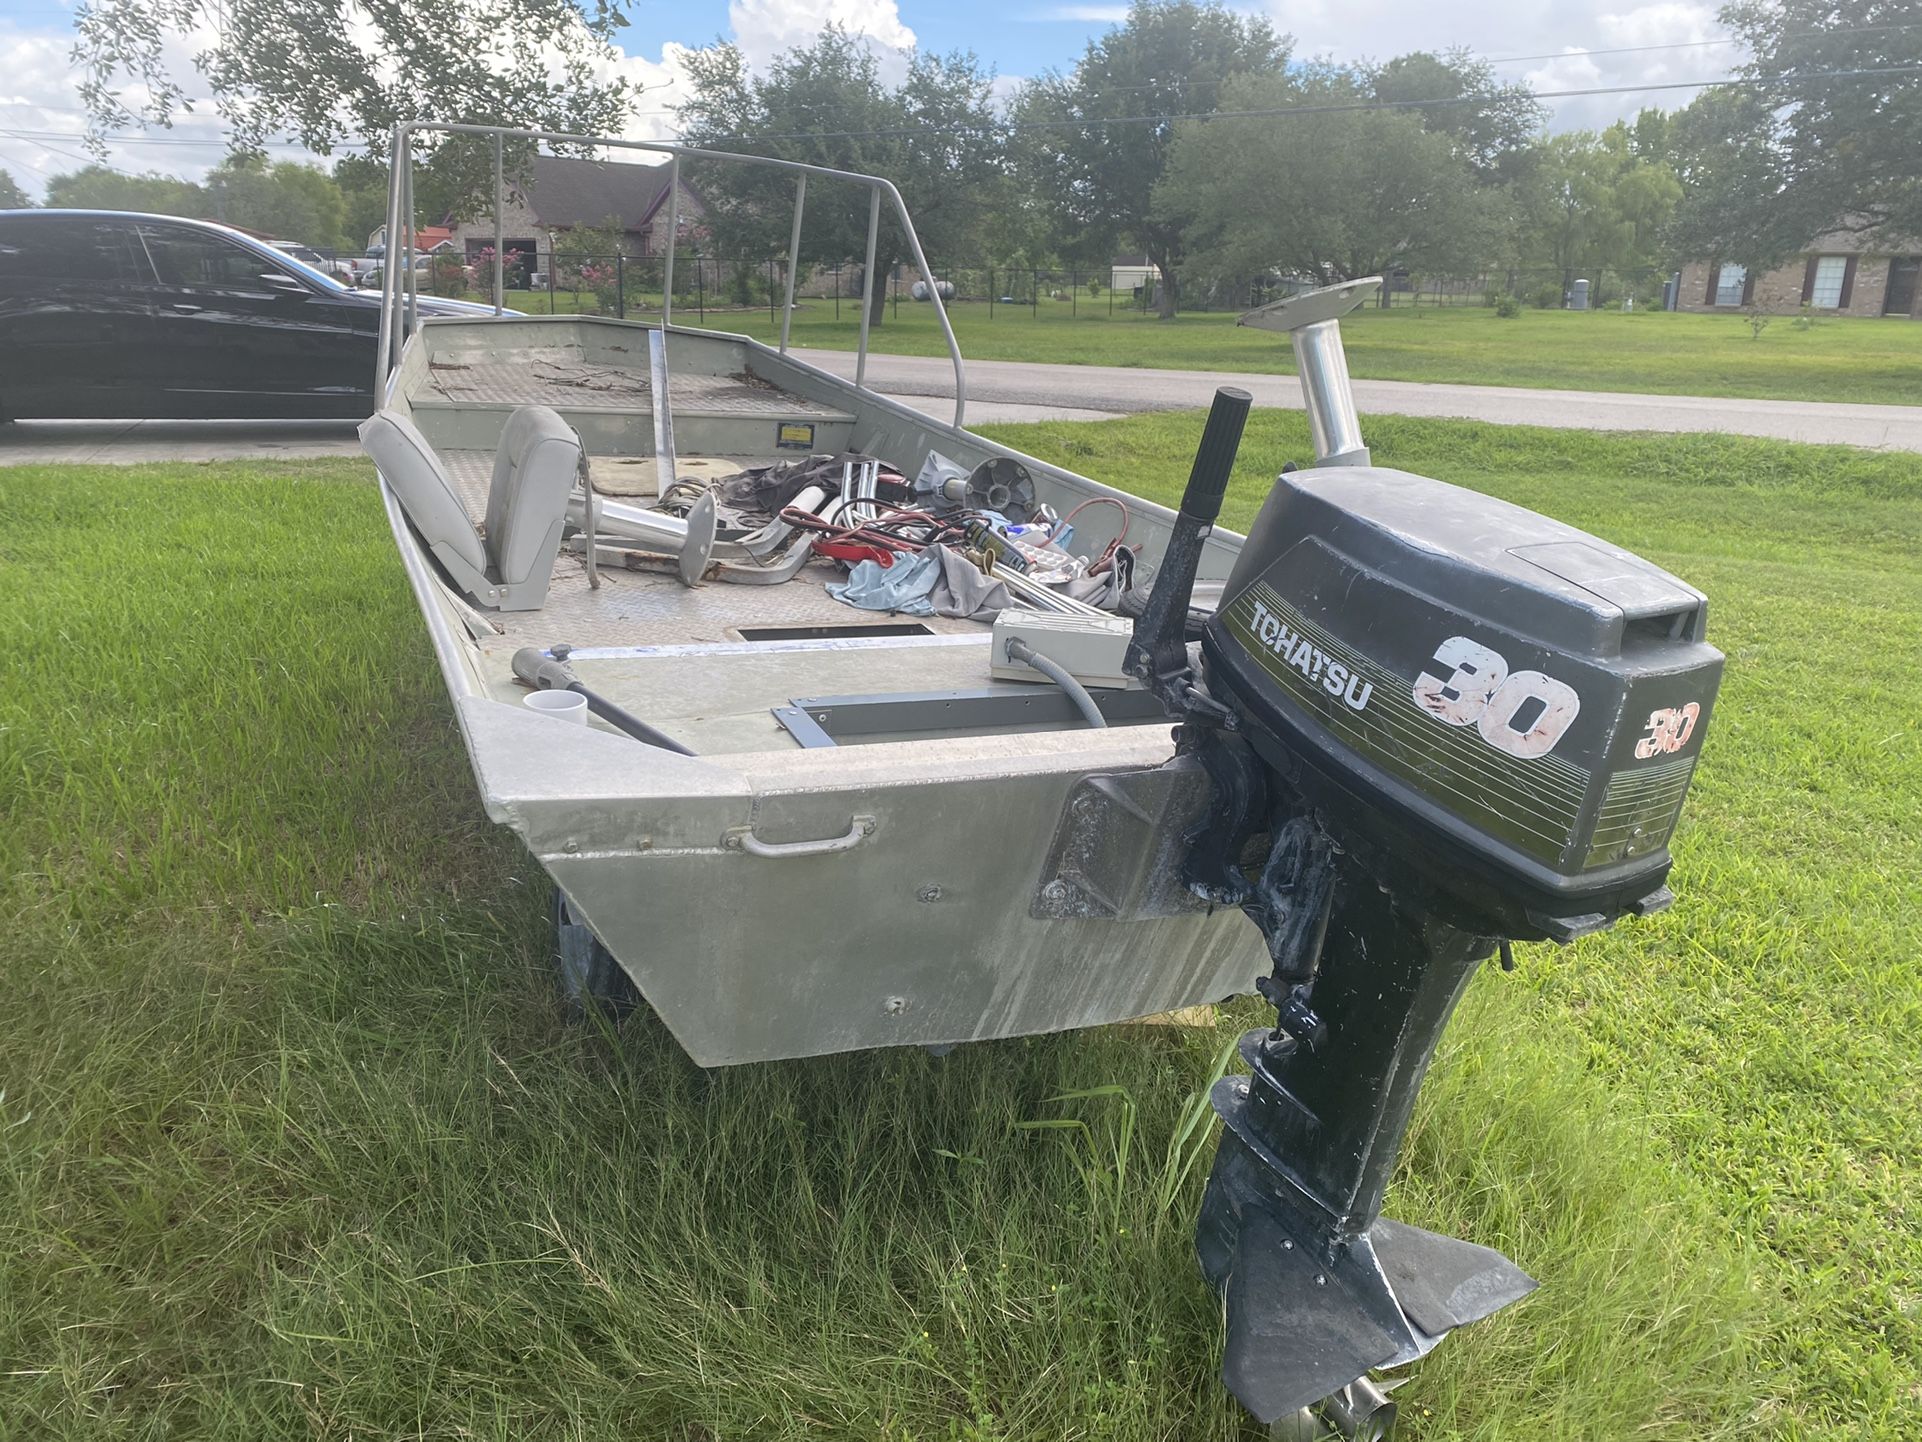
{"x": 918, "y": 934}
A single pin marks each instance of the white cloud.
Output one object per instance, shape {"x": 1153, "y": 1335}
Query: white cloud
{"x": 41, "y": 116}
{"x": 1332, "y": 28}
{"x": 1669, "y": 25}
{"x": 1085, "y": 14}
{"x": 765, "y": 28}
{"x": 42, "y": 121}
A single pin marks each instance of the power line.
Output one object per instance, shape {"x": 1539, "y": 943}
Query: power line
{"x": 27, "y": 164}
{"x": 1697, "y": 44}
{"x": 43, "y": 137}
{"x": 117, "y": 139}
{"x": 26, "y": 139}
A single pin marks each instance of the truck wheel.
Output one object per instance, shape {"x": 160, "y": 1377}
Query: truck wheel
{"x": 591, "y": 980}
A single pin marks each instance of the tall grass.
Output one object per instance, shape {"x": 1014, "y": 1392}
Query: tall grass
{"x": 294, "y": 1141}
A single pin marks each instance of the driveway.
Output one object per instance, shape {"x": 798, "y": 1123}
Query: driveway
{"x": 1011, "y": 390}
{"x": 127, "y": 443}
{"x": 1123, "y": 390}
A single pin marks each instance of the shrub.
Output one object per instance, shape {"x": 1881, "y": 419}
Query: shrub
{"x": 1758, "y": 321}
{"x": 447, "y": 274}
{"x": 1507, "y": 307}
{"x": 1546, "y": 297}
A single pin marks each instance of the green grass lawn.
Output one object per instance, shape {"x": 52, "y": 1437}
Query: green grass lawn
{"x": 293, "y": 1139}
{"x": 1840, "y": 359}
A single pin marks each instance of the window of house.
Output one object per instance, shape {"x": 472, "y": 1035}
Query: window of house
{"x": 1826, "y": 294}
{"x": 1728, "y": 285}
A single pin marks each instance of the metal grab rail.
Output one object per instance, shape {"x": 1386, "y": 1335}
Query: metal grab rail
{"x": 400, "y": 312}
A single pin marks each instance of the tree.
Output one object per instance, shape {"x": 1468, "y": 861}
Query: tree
{"x": 94, "y": 187}
{"x": 335, "y": 72}
{"x": 285, "y": 200}
{"x": 1100, "y": 179}
{"x": 829, "y": 105}
{"x": 1593, "y": 204}
{"x": 1331, "y": 194}
{"x": 1457, "y": 94}
{"x": 363, "y": 193}
{"x": 1809, "y": 150}
{"x": 12, "y": 197}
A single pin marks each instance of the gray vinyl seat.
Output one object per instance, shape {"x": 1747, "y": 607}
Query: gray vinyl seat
{"x": 534, "y": 472}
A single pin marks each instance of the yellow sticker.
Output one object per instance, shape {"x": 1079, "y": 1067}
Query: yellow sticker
{"x": 795, "y": 436}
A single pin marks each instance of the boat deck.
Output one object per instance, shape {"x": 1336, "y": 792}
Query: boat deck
{"x": 558, "y": 380}
{"x": 699, "y": 662}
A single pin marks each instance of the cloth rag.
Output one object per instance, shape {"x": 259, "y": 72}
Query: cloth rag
{"x": 937, "y": 582}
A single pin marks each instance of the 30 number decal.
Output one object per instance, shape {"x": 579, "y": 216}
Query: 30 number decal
{"x": 1523, "y": 713}
{"x": 1668, "y": 730}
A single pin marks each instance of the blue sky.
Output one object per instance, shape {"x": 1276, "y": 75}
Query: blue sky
{"x": 1016, "y": 38}
{"x": 1540, "y": 43}
{"x": 1555, "y": 45}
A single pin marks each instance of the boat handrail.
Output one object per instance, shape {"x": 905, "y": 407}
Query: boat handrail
{"x": 399, "y": 286}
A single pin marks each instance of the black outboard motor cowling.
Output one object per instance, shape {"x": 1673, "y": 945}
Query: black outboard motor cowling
{"x": 1433, "y": 723}
{"x": 1511, "y": 704}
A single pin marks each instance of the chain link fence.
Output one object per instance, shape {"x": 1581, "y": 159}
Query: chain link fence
{"x": 621, "y": 285}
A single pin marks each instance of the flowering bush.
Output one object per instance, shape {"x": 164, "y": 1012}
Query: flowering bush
{"x": 513, "y": 269}
{"x": 446, "y": 274}
{"x": 603, "y": 277}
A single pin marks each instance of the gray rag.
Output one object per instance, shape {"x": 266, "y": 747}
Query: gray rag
{"x": 937, "y": 582}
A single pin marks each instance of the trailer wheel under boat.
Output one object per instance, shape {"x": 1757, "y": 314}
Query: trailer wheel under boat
{"x": 1417, "y": 724}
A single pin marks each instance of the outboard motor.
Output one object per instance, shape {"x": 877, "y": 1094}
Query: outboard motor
{"x": 1433, "y": 723}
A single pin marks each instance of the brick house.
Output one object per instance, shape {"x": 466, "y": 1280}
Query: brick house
{"x": 564, "y": 192}
{"x": 1840, "y": 273}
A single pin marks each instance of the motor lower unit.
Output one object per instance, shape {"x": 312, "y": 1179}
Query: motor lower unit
{"x": 1433, "y": 723}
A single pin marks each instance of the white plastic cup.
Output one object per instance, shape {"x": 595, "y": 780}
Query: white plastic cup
{"x": 562, "y": 705}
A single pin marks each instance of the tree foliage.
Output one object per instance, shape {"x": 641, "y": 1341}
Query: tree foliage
{"x": 338, "y": 72}
{"x": 285, "y": 200}
{"x": 1458, "y": 94}
{"x": 12, "y": 197}
{"x": 830, "y": 105}
{"x": 363, "y": 196}
{"x": 1592, "y": 203}
{"x": 1809, "y": 151}
{"x": 1329, "y": 194}
{"x": 95, "y": 187}
{"x": 1171, "y": 57}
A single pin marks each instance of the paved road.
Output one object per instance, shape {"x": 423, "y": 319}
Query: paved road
{"x": 1012, "y": 391}
{"x": 126, "y": 443}
{"x": 1124, "y": 390}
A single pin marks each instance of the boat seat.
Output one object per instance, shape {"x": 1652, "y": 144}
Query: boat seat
{"x": 534, "y": 471}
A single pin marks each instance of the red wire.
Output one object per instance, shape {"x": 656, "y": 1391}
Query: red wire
{"x": 1127, "y": 518}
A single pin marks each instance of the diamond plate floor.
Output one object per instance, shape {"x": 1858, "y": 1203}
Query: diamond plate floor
{"x": 574, "y": 384}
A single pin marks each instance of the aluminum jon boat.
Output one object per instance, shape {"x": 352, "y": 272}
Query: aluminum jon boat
{"x": 872, "y": 842}
{"x": 824, "y": 803}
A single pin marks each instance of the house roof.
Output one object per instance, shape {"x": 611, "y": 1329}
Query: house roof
{"x": 564, "y": 191}
{"x": 426, "y": 237}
